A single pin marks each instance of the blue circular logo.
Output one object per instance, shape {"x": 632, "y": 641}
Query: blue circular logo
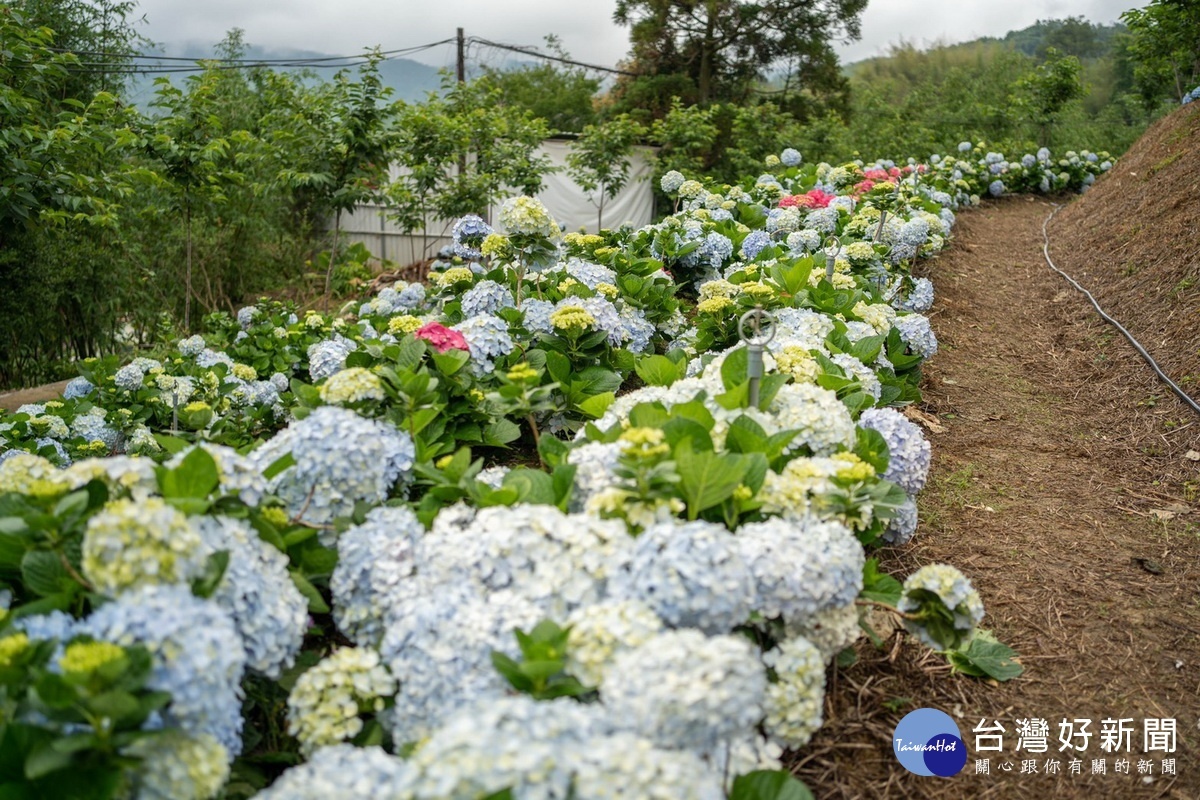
{"x": 927, "y": 742}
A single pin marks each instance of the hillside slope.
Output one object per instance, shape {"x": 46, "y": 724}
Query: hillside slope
{"x": 1134, "y": 241}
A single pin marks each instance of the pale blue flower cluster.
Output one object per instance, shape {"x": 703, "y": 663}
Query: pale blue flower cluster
{"x": 801, "y": 566}
{"x": 488, "y": 337}
{"x": 329, "y": 356}
{"x": 198, "y": 656}
{"x": 687, "y": 691}
{"x": 917, "y": 334}
{"x": 375, "y": 564}
{"x": 790, "y": 157}
{"x": 946, "y": 586}
{"x": 920, "y": 298}
{"x": 77, "y": 387}
{"x": 754, "y": 243}
{"x": 340, "y": 459}
{"x": 671, "y": 182}
{"x": 345, "y": 772}
{"x": 692, "y": 575}
{"x": 258, "y": 594}
{"x": 468, "y": 233}
{"x": 909, "y": 452}
{"x": 589, "y": 274}
{"x": 486, "y": 297}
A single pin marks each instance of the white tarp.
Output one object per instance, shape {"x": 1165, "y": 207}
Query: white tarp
{"x": 567, "y": 201}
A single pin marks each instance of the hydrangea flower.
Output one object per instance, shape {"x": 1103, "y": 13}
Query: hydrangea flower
{"x": 77, "y": 387}
{"x": 488, "y": 339}
{"x": 920, "y": 299}
{"x": 690, "y": 575}
{"x": 441, "y": 337}
{"x": 831, "y": 631}
{"x": 909, "y": 452}
{"x": 917, "y": 334}
{"x": 945, "y": 603}
{"x": 328, "y": 356}
{"x": 375, "y": 562}
{"x": 178, "y": 766}
{"x": 129, "y": 378}
{"x": 754, "y": 243}
{"x": 601, "y": 631}
{"x": 352, "y": 385}
{"x": 901, "y": 527}
{"x": 594, "y": 464}
{"x": 198, "y": 656}
{"x": 486, "y": 297}
{"x": 323, "y": 705}
{"x": 558, "y": 562}
{"x": 347, "y": 773}
{"x": 790, "y": 157}
{"x": 823, "y": 423}
{"x": 340, "y": 459}
{"x": 258, "y": 594}
{"x": 996, "y": 188}
{"x": 130, "y": 544}
{"x": 439, "y": 643}
{"x": 795, "y": 698}
{"x": 671, "y": 182}
{"x": 684, "y": 690}
{"x": 527, "y": 216}
{"x": 468, "y": 233}
{"x": 801, "y": 567}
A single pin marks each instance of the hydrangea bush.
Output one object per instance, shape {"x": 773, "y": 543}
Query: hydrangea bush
{"x": 536, "y": 525}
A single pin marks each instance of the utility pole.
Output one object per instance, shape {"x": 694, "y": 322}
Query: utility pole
{"x": 460, "y": 63}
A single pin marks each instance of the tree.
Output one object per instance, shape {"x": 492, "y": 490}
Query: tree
{"x": 599, "y": 159}
{"x": 352, "y": 130}
{"x": 725, "y": 46}
{"x": 1047, "y": 91}
{"x": 562, "y": 95}
{"x": 461, "y": 151}
{"x": 1164, "y": 45}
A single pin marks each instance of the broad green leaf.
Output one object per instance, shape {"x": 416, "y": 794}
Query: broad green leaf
{"x": 768, "y": 785}
{"x": 43, "y": 573}
{"x": 879, "y": 586}
{"x": 596, "y": 405}
{"x": 983, "y": 656}
{"x": 279, "y": 465}
{"x": 657, "y": 370}
{"x": 707, "y": 478}
{"x": 316, "y": 603}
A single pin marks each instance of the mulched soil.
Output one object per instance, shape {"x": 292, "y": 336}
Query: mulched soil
{"x": 1060, "y": 486}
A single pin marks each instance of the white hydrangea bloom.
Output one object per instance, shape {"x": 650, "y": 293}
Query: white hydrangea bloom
{"x": 324, "y": 705}
{"x": 794, "y": 700}
{"x": 600, "y": 632}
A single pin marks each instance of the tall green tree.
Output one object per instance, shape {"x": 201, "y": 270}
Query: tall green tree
{"x": 1047, "y": 91}
{"x": 561, "y": 94}
{"x": 1164, "y": 44}
{"x": 725, "y": 46}
{"x": 600, "y": 159}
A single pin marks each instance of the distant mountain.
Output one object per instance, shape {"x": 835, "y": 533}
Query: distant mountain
{"x": 411, "y": 80}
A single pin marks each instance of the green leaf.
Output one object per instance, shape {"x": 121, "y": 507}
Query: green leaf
{"x": 532, "y": 486}
{"x": 511, "y": 671}
{"x": 55, "y": 692}
{"x": 279, "y": 465}
{"x": 195, "y": 478}
{"x": 214, "y": 570}
{"x": 559, "y": 367}
{"x": 500, "y": 432}
{"x": 657, "y": 370}
{"x": 171, "y": 444}
{"x": 44, "y": 759}
{"x": 983, "y": 656}
{"x": 596, "y": 405}
{"x": 43, "y": 573}
{"x": 768, "y": 785}
{"x": 879, "y": 586}
{"x": 316, "y": 603}
{"x": 564, "y": 484}
{"x": 871, "y": 447}
{"x": 733, "y": 368}
{"x": 706, "y": 478}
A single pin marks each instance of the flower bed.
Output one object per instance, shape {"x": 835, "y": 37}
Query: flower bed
{"x": 534, "y": 529}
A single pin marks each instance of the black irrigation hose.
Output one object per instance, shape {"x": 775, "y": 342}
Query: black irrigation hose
{"x": 1149, "y": 360}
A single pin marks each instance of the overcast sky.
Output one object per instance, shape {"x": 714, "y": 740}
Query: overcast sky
{"x": 584, "y": 26}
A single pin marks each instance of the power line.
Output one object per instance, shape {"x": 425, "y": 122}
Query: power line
{"x": 529, "y": 51}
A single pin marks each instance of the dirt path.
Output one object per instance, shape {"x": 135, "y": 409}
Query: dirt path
{"x": 11, "y": 401}
{"x": 1060, "y": 487}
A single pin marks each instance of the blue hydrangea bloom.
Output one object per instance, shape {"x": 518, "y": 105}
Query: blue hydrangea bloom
{"x": 486, "y": 297}
{"x": 754, "y": 243}
{"x": 790, "y": 157}
{"x": 468, "y": 233}
{"x": 996, "y": 188}
{"x": 910, "y": 453}
{"x": 917, "y": 334}
{"x": 488, "y": 338}
{"x": 198, "y": 656}
{"x": 78, "y": 387}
